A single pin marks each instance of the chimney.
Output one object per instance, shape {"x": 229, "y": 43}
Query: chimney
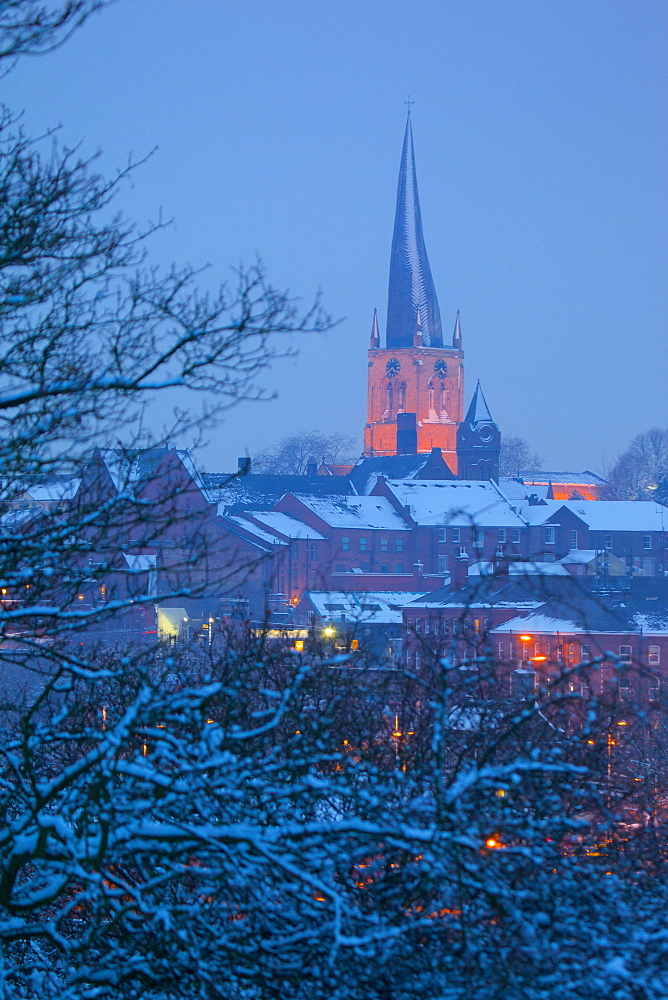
{"x": 243, "y": 465}
{"x": 406, "y": 433}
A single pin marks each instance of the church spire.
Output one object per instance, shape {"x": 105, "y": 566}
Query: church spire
{"x": 375, "y": 334}
{"x": 411, "y": 286}
{"x": 457, "y": 335}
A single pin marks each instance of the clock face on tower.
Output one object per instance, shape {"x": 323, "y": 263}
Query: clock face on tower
{"x": 392, "y": 367}
{"x": 440, "y": 368}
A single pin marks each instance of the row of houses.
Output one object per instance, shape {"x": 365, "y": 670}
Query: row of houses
{"x": 153, "y": 529}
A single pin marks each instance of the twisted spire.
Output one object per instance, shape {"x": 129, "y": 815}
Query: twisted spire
{"x": 411, "y": 286}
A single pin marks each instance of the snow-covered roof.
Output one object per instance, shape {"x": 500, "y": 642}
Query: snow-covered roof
{"x": 254, "y": 529}
{"x": 141, "y": 563}
{"x": 366, "y": 512}
{"x": 542, "y": 513}
{"x": 53, "y": 490}
{"x": 455, "y": 503}
{"x": 620, "y": 515}
{"x": 581, "y": 557}
{"x": 540, "y": 622}
{"x": 543, "y": 477}
{"x": 379, "y": 607}
{"x": 285, "y": 524}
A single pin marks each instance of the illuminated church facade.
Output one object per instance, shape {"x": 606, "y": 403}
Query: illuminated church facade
{"x": 415, "y": 392}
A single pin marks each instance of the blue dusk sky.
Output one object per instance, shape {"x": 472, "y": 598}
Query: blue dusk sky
{"x": 540, "y": 143}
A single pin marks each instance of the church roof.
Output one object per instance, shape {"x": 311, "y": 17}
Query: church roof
{"x": 411, "y": 287}
{"x": 478, "y": 411}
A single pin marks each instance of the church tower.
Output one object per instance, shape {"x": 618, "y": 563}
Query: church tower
{"x": 415, "y": 374}
{"x": 478, "y": 441}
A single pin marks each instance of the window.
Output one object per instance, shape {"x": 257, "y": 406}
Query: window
{"x": 625, "y": 688}
{"x": 426, "y": 626}
{"x": 418, "y": 626}
{"x": 500, "y": 650}
{"x": 399, "y": 545}
{"x": 384, "y": 544}
{"x": 571, "y": 652}
{"x": 436, "y": 626}
{"x": 442, "y": 534}
{"x": 478, "y": 536}
{"x": 442, "y": 564}
{"x": 647, "y": 541}
{"x": 314, "y": 551}
{"x": 549, "y": 535}
{"x": 516, "y": 535}
{"x": 295, "y": 548}
{"x": 625, "y": 654}
{"x": 607, "y": 542}
{"x": 574, "y": 538}
{"x": 363, "y": 544}
{"x": 648, "y": 566}
{"x": 456, "y": 534}
{"x": 476, "y": 626}
{"x": 502, "y": 534}
{"x": 384, "y": 568}
{"x": 399, "y": 568}
{"x": 584, "y": 654}
{"x": 654, "y": 656}
{"x": 340, "y": 568}
{"x": 653, "y": 688}
{"x": 345, "y": 543}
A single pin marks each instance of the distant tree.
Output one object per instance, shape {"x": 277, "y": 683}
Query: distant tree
{"x": 641, "y": 472}
{"x": 292, "y": 454}
{"x": 516, "y": 454}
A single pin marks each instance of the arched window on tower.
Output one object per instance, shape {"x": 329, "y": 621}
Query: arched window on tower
{"x": 442, "y": 408}
{"x": 401, "y": 397}
{"x": 432, "y": 396}
{"x": 389, "y": 400}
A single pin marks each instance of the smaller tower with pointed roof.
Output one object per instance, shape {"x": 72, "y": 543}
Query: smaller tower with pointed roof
{"x": 478, "y": 441}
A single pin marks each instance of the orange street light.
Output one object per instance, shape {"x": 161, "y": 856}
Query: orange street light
{"x": 525, "y": 638}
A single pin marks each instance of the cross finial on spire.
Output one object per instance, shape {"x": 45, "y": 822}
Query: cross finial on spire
{"x": 409, "y": 102}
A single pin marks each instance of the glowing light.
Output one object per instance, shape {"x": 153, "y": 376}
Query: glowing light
{"x": 299, "y": 645}
{"x": 622, "y": 722}
{"x": 525, "y": 638}
{"x": 329, "y": 632}
{"x": 537, "y": 659}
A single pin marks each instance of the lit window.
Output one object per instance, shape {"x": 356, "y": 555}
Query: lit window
{"x": 654, "y": 655}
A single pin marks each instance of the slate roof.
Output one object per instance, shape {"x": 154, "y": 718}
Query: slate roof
{"x": 512, "y": 592}
{"x": 593, "y": 615}
{"x": 234, "y": 492}
{"x": 430, "y": 465}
